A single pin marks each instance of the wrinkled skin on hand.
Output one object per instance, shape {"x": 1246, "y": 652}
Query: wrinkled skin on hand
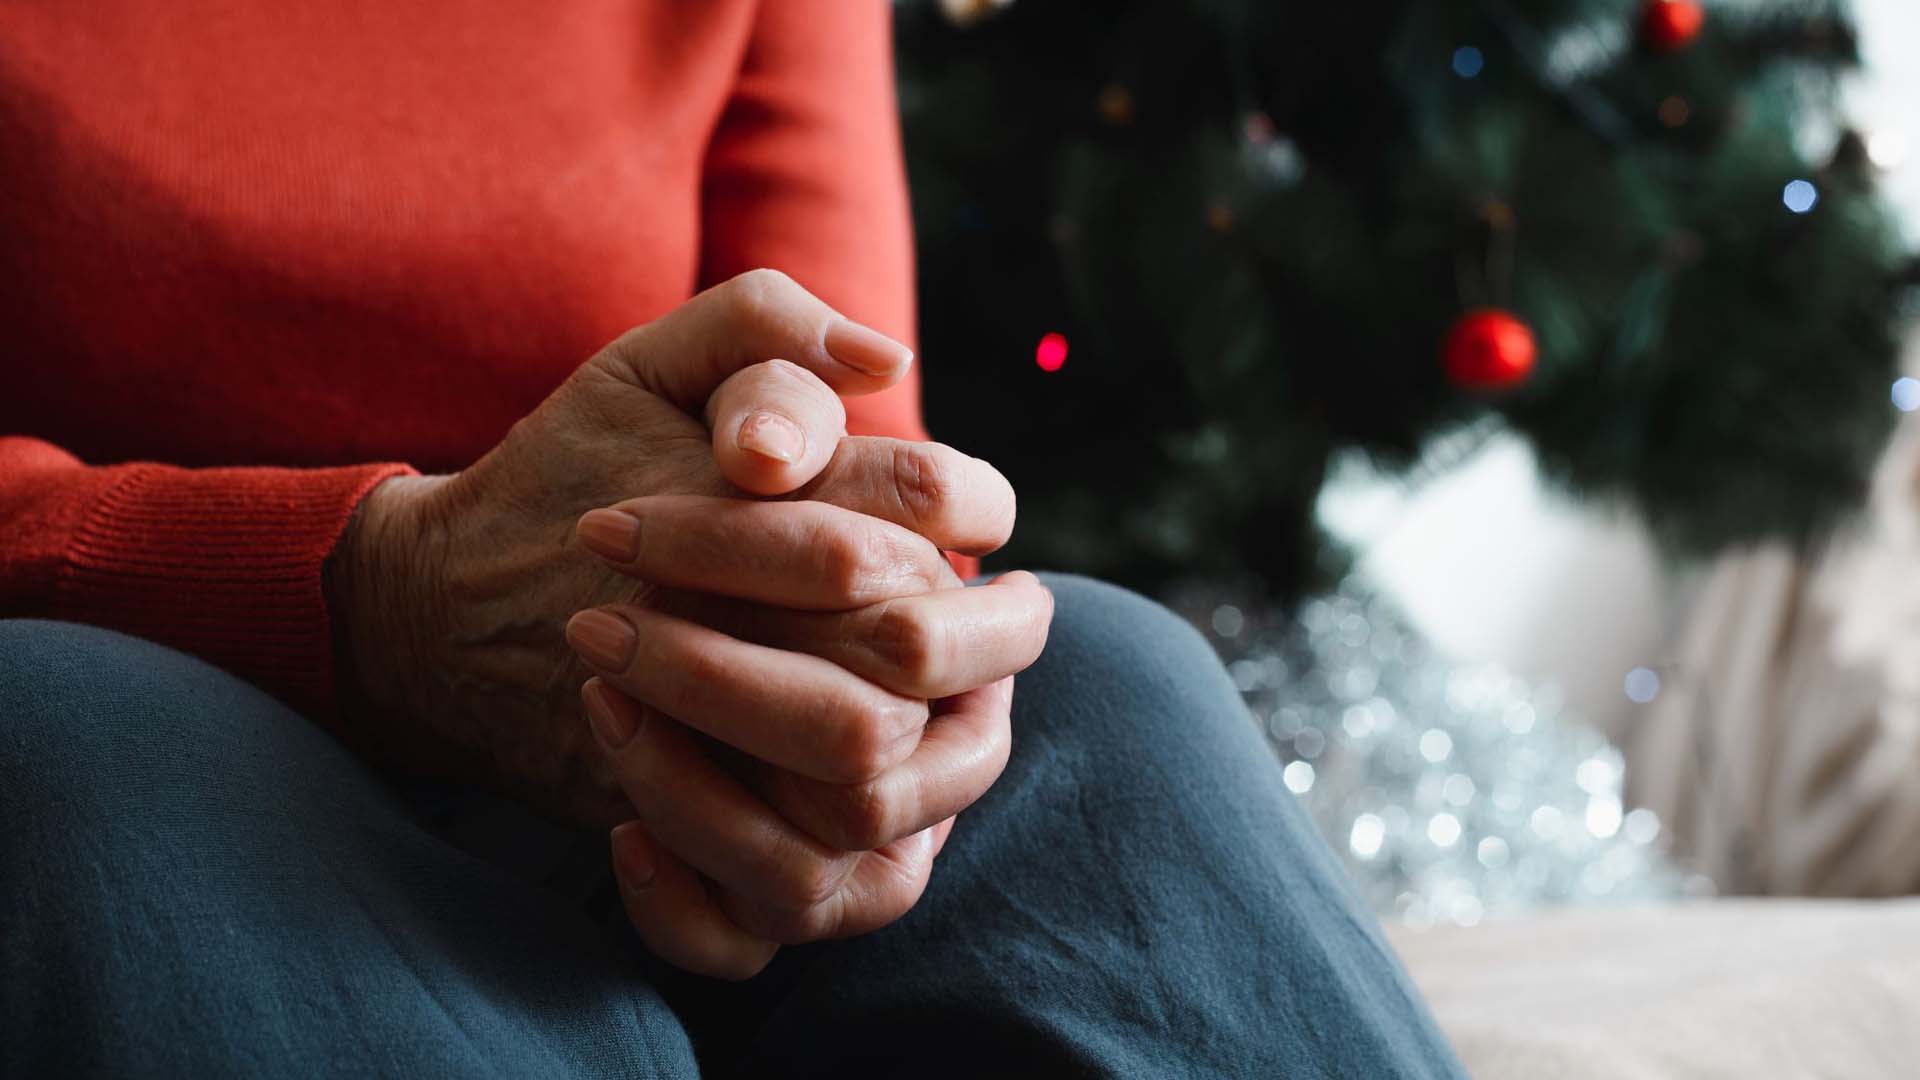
{"x": 450, "y": 593}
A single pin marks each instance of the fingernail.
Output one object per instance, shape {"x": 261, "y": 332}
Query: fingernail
{"x": 633, "y": 855}
{"x": 866, "y": 349}
{"x": 614, "y": 725}
{"x": 604, "y": 639}
{"x": 610, "y": 534}
{"x": 771, "y": 435}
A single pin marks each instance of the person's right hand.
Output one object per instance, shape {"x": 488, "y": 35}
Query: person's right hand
{"x": 449, "y": 593}
{"x": 794, "y": 771}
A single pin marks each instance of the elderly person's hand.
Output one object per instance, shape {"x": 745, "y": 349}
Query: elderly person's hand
{"x": 869, "y": 722}
{"x": 450, "y": 592}
{"x": 863, "y": 692}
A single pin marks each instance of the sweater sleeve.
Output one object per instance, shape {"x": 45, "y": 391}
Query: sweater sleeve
{"x": 224, "y": 564}
{"x": 805, "y": 175}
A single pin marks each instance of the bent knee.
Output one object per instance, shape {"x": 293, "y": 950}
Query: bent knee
{"x": 1118, "y": 654}
{"x": 1130, "y": 711}
{"x": 1123, "y": 635}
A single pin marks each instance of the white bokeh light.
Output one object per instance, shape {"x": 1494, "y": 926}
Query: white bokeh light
{"x": 1298, "y": 776}
{"x": 1887, "y": 149}
{"x": 1367, "y": 834}
{"x": 1603, "y": 816}
{"x": 1642, "y": 826}
{"x": 1547, "y": 822}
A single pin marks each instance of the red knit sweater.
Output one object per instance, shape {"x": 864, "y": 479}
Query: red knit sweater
{"x": 256, "y": 257}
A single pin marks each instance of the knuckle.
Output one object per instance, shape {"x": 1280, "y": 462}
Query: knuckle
{"x": 864, "y": 817}
{"x": 791, "y": 381}
{"x": 868, "y": 737}
{"x": 855, "y": 558}
{"x": 861, "y": 753}
{"x": 699, "y": 666}
{"x": 910, "y": 643}
{"x": 925, "y": 479}
{"x": 806, "y": 883}
{"x": 758, "y": 296}
{"x": 903, "y": 891}
{"x": 786, "y": 371}
{"x": 695, "y": 668}
{"x": 766, "y": 279}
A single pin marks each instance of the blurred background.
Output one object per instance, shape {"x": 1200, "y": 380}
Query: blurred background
{"x": 1501, "y": 384}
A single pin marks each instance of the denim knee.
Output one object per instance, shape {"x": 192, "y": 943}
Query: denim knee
{"x": 1123, "y": 631}
{"x": 89, "y": 717}
{"x": 1122, "y": 673}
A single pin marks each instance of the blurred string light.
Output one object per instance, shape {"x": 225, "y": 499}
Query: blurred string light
{"x": 1887, "y": 149}
{"x": 1366, "y": 836}
{"x": 1642, "y": 826}
{"x": 1051, "y": 353}
{"x": 1800, "y": 196}
{"x": 1468, "y": 61}
{"x": 1274, "y": 157}
{"x": 1906, "y": 393}
{"x": 1227, "y": 620}
{"x": 1642, "y": 685}
{"x": 1298, "y": 776}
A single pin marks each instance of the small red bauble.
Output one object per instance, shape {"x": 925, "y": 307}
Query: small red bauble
{"x": 1671, "y": 25}
{"x": 1489, "y": 349}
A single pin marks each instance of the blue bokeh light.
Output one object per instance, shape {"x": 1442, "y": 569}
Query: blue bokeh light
{"x": 1468, "y": 61}
{"x": 1642, "y": 685}
{"x": 1906, "y": 394}
{"x": 1800, "y": 196}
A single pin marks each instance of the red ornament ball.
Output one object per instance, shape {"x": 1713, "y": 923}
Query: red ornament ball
{"x": 1489, "y": 349}
{"x": 1671, "y": 25}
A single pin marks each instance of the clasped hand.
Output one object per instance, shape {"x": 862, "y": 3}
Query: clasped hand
{"x": 792, "y": 692}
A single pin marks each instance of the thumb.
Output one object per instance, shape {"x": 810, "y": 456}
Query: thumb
{"x": 775, "y": 427}
{"x": 761, "y": 315}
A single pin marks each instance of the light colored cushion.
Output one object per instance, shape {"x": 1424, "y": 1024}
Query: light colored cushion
{"x": 1726, "y": 988}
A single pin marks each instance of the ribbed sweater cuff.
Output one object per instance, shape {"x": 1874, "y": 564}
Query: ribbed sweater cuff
{"x": 223, "y": 564}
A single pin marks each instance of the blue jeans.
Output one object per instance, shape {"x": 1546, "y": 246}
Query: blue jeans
{"x": 195, "y": 880}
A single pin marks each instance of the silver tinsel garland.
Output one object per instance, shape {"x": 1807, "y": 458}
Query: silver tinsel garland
{"x": 1452, "y": 793}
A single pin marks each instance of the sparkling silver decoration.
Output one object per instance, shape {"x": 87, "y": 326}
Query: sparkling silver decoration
{"x": 1452, "y": 793}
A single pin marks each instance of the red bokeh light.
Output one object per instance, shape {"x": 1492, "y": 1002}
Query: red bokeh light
{"x": 1051, "y": 353}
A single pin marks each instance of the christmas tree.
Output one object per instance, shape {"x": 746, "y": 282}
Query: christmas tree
{"x": 1176, "y": 255}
